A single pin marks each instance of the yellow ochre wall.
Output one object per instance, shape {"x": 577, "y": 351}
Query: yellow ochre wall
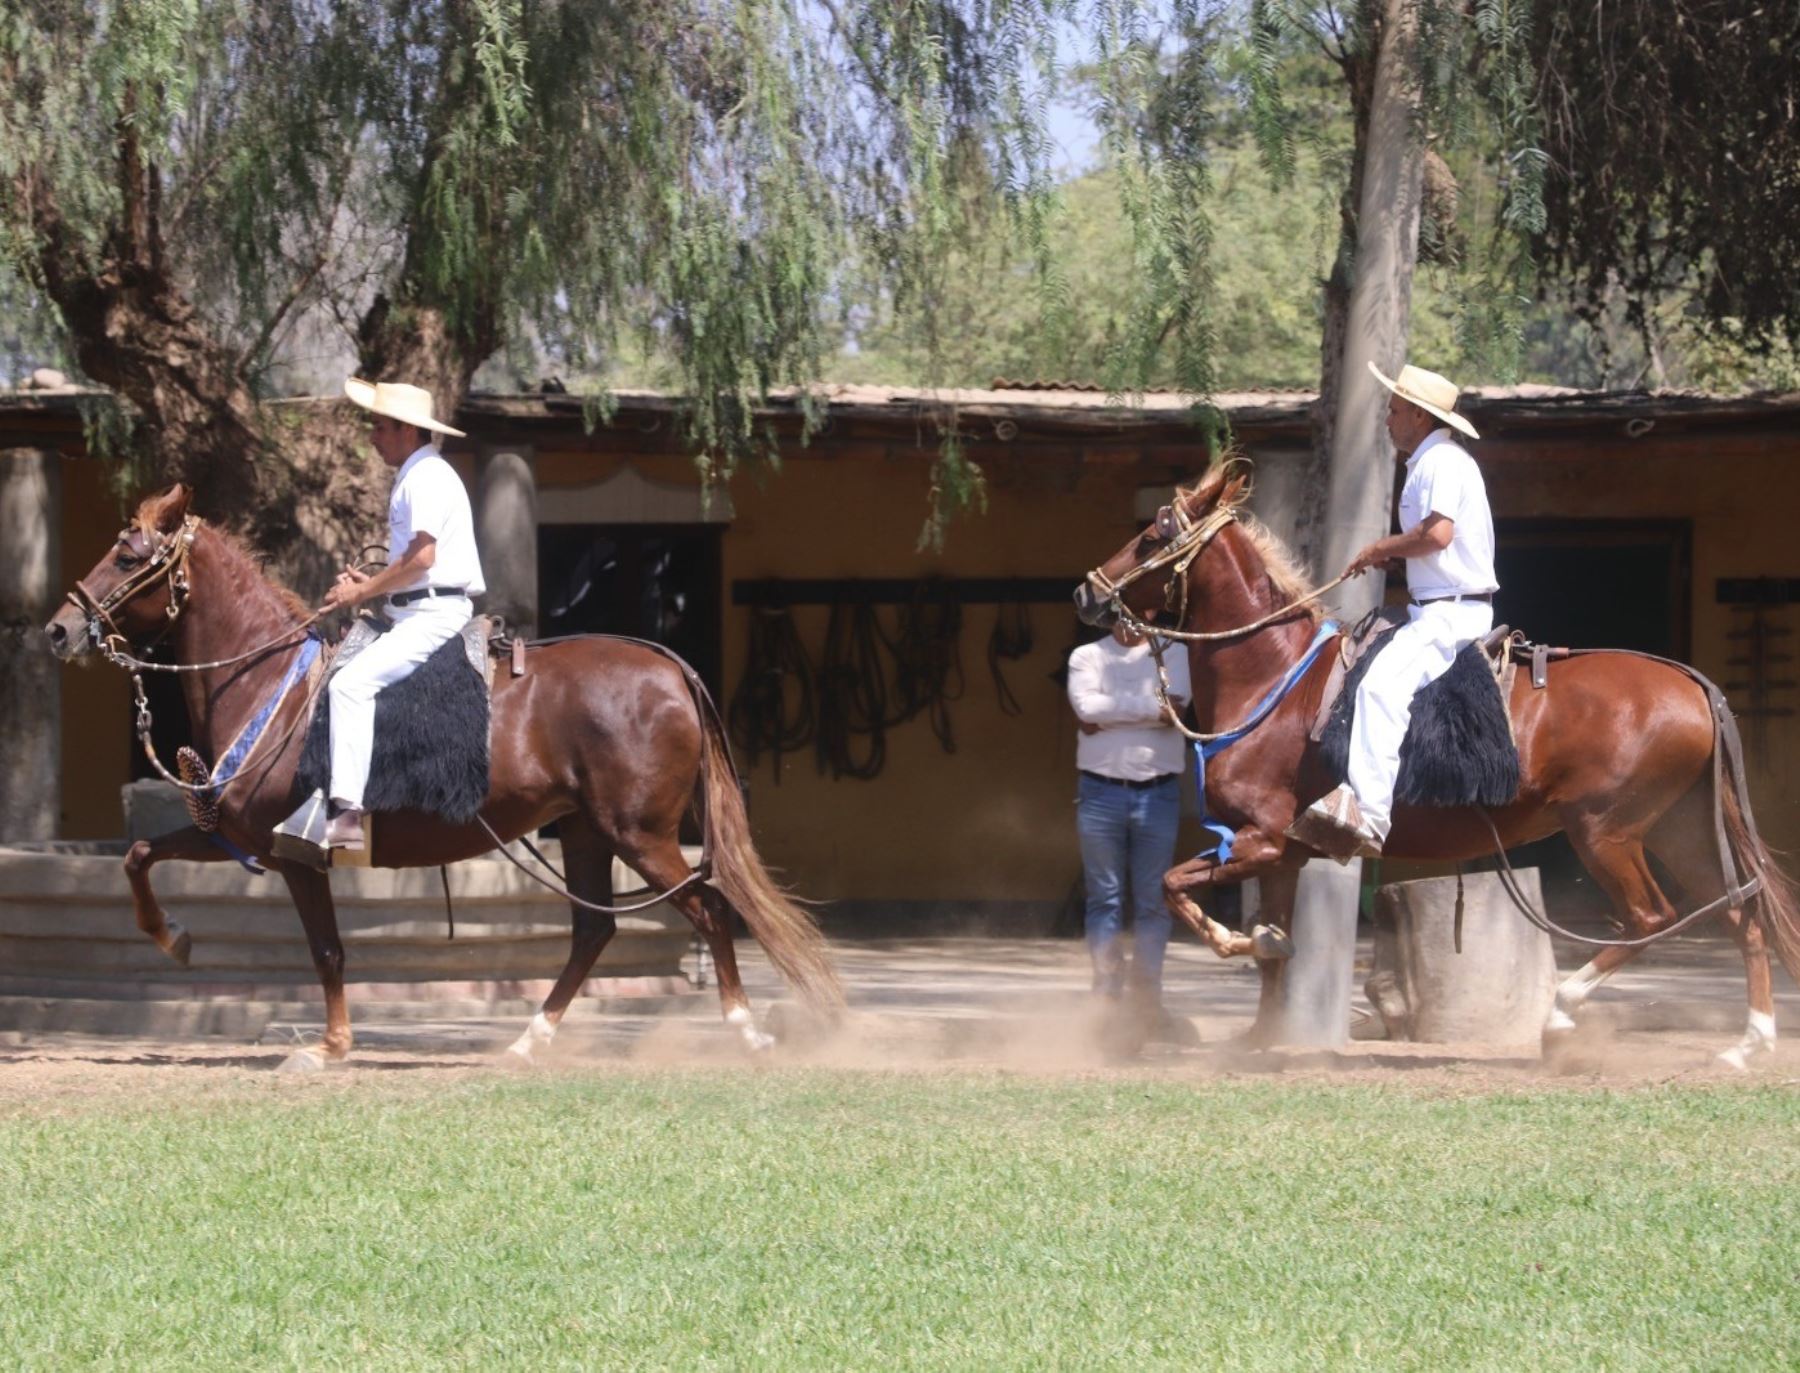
{"x": 993, "y": 821}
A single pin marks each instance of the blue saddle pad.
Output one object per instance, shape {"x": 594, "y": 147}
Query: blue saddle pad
{"x": 431, "y": 742}
{"x": 1459, "y": 748}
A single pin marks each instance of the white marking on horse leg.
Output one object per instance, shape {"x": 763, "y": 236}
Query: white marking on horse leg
{"x": 1575, "y": 989}
{"x": 746, "y": 1026}
{"x": 1759, "y": 1038}
{"x": 538, "y": 1035}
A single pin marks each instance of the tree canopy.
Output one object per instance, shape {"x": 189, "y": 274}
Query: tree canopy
{"x": 724, "y": 190}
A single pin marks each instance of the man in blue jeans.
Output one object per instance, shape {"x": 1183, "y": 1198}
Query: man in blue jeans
{"x": 1128, "y": 805}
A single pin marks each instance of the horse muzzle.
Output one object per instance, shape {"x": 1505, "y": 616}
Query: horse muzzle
{"x": 68, "y": 634}
{"x": 1092, "y": 609}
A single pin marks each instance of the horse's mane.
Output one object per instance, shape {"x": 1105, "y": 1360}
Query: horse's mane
{"x": 243, "y": 567}
{"x": 1226, "y": 485}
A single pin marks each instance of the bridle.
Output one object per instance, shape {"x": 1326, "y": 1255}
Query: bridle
{"x": 1185, "y": 539}
{"x": 165, "y": 558}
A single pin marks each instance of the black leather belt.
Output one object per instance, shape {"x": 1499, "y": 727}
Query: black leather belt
{"x": 1131, "y": 783}
{"x": 1485, "y": 597}
{"x": 408, "y": 597}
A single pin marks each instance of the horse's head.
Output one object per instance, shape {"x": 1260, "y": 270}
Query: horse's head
{"x": 1150, "y": 573}
{"x": 138, "y": 588}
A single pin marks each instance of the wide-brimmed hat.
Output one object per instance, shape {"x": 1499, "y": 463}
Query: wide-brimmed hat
{"x": 1428, "y": 391}
{"x": 398, "y": 401}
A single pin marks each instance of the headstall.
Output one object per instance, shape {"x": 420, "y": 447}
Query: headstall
{"x": 166, "y": 557}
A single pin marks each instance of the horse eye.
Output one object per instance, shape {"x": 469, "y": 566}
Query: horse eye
{"x": 1166, "y": 525}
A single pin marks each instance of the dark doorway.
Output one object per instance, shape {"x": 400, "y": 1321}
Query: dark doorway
{"x": 1596, "y": 583}
{"x": 1591, "y": 584}
{"x": 647, "y": 581}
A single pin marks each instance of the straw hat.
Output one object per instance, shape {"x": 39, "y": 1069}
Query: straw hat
{"x": 398, "y": 401}
{"x": 1428, "y": 391}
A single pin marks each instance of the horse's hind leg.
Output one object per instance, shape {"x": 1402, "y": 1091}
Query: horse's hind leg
{"x": 191, "y": 844}
{"x": 587, "y": 862}
{"x": 662, "y": 865}
{"x": 1618, "y": 864}
{"x": 1686, "y": 843}
{"x": 311, "y": 891}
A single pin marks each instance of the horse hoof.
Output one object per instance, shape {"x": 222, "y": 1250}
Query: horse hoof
{"x": 758, "y": 1041}
{"x": 303, "y": 1061}
{"x": 1735, "y": 1059}
{"x": 177, "y": 943}
{"x": 1269, "y": 943}
{"x": 521, "y": 1059}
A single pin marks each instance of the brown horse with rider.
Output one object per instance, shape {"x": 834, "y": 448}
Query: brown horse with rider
{"x": 1626, "y": 755}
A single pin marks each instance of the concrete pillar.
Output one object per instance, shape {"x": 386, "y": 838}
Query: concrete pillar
{"x": 1313, "y": 1006}
{"x": 506, "y": 521}
{"x": 1498, "y": 990}
{"x": 30, "y": 677}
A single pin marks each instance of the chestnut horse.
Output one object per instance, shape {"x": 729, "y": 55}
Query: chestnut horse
{"x": 1617, "y": 753}
{"x": 602, "y": 735}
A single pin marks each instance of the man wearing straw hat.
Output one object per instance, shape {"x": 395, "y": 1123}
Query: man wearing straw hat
{"x": 432, "y": 572}
{"x": 1447, "y": 540}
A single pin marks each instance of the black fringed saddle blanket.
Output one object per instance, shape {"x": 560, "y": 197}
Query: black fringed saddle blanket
{"x": 1459, "y": 748}
{"x": 431, "y": 741}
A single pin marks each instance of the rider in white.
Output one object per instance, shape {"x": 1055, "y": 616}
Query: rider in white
{"x": 432, "y": 572}
{"x": 1447, "y": 540}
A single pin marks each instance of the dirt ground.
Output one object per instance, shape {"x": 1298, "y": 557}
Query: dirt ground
{"x": 957, "y": 1006}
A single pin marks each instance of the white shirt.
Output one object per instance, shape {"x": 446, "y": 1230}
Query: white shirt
{"x": 1115, "y": 687}
{"x": 429, "y": 499}
{"x": 1442, "y": 479}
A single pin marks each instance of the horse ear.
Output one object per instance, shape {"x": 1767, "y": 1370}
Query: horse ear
{"x": 165, "y": 511}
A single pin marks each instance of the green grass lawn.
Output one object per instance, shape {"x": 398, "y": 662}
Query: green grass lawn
{"x": 818, "y": 1219}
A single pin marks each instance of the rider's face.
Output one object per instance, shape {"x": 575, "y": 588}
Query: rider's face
{"x": 1407, "y": 425}
{"x": 394, "y": 441}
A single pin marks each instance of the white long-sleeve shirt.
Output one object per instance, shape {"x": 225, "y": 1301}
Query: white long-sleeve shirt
{"x": 1115, "y": 687}
{"x": 429, "y": 498}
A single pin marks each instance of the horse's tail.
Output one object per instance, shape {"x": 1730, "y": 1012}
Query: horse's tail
{"x": 786, "y": 931}
{"x": 1777, "y": 903}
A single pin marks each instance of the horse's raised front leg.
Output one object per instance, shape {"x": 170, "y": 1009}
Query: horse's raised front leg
{"x": 587, "y": 860}
{"x": 191, "y": 844}
{"x": 311, "y": 891}
{"x": 1253, "y": 854}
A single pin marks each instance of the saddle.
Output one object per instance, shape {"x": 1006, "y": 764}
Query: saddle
{"x": 431, "y": 728}
{"x": 1459, "y": 748}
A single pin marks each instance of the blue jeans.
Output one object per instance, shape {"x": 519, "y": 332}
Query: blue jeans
{"x": 1127, "y": 835}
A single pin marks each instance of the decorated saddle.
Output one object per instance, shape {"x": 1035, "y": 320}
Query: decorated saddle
{"x": 1459, "y": 748}
{"x": 431, "y": 729}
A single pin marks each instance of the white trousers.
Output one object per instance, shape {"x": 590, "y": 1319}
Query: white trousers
{"x": 1419, "y": 652}
{"x": 420, "y": 629}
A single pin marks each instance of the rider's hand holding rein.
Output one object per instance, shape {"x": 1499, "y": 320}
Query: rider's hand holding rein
{"x": 354, "y": 587}
{"x": 1431, "y": 535}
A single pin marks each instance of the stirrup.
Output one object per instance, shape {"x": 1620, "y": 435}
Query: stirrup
{"x": 301, "y": 837}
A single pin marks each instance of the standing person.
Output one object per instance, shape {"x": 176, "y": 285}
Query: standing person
{"x": 1447, "y": 539}
{"x": 1128, "y": 805}
{"x": 432, "y": 573}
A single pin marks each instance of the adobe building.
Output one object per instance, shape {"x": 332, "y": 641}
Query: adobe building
{"x": 1659, "y": 522}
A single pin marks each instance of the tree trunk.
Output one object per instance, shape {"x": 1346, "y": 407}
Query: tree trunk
{"x": 1368, "y": 303}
